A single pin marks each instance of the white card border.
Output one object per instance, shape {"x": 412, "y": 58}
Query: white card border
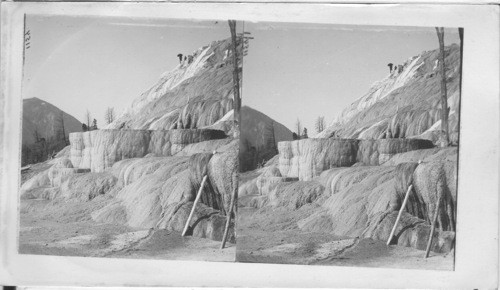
{"x": 477, "y": 225}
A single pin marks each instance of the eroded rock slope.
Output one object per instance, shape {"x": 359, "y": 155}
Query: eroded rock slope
{"x": 364, "y": 200}
{"x": 351, "y": 179}
{"x": 147, "y": 166}
{"x": 196, "y": 94}
{"x": 404, "y": 104}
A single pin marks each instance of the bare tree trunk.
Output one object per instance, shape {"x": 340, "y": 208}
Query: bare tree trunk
{"x": 444, "y": 98}
{"x": 236, "y": 77}
{"x": 63, "y": 130}
{"x": 320, "y": 124}
{"x": 234, "y": 196}
{"x": 298, "y": 126}
{"x": 273, "y": 138}
{"x": 87, "y": 116}
{"x": 109, "y": 116}
{"x": 433, "y": 226}
{"x": 461, "y": 34}
{"x": 36, "y": 135}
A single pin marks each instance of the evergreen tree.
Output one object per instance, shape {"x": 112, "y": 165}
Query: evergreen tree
{"x": 304, "y": 134}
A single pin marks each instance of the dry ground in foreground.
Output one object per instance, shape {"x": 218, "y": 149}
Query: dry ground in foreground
{"x": 66, "y": 229}
{"x": 271, "y": 236}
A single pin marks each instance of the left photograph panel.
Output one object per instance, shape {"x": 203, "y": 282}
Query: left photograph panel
{"x": 129, "y": 139}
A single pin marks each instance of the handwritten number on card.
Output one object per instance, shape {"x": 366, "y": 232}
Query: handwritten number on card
{"x": 27, "y": 38}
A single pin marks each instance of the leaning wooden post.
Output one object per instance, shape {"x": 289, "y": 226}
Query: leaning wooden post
{"x": 434, "y": 220}
{"x": 228, "y": 220}
{"x": 400, "y": 213}
{"x": 194, "y": 205}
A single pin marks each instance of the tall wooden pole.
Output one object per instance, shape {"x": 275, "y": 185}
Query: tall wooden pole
{"x": 461, "y": 35}
{"x": 229, "y": 212}
{"x": 236, "y": 76}
{"x": 433, "y": 226}
{"x": 444, "y": 98}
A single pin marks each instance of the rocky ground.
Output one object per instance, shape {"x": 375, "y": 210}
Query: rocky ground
{"x": 137, "y": 211}
{"x": 66, "y": 229}
{"x": 271, "y": 236}
{"x": 302, "y": 211}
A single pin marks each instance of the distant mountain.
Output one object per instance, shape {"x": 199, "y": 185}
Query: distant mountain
{"x": 259, "y": 135}
{"x": 406, "y": 103}
{"x": 44, "y": 117}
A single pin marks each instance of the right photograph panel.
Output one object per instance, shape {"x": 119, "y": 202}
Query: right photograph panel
{"x": 349, "y": 142}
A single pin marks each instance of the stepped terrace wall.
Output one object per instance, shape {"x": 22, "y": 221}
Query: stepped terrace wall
{"x": 100, "y": 149}
{"x": 307, "y": 158}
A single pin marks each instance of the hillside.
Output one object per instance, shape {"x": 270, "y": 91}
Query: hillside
{"x": 405, "y": 104}
{"x": 259, "y": 137}
{"x": 134, "y": 182}
{"x": 333, "y": 199}
{"x": 45, "y": 118}
{"x": 195, "y": 94}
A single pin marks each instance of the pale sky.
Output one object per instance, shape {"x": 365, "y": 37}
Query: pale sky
{"x": 291, "y": 70}
{"x": 305, "y": 71}
{"x": 80, "y": 63}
